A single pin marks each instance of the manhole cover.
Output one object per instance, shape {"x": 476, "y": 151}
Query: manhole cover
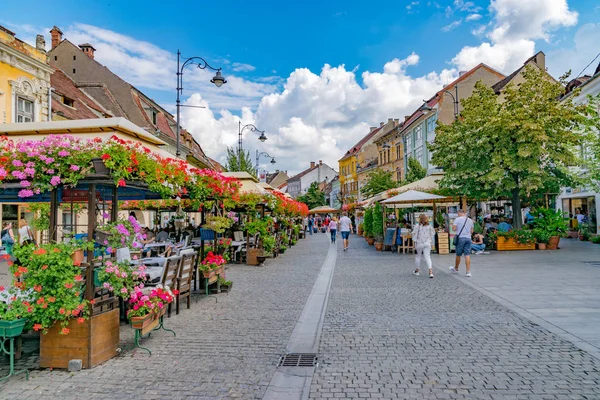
{"x": 593, "y": 263}
{"x": 298, "y": 360}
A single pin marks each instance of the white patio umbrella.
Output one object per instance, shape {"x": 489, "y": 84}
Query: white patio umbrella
{"x": 413, "y": 196}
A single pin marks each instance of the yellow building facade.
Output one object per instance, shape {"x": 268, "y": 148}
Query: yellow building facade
{"x": 24, "y": 79}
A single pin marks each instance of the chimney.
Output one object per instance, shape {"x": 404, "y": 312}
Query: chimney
{"x": 56, "y": 35}
{"x": 381, "y": 124}
{"x": 406, "y": 117}
{"x": 390, "y": 120}
{"x": 396, "y": 121}
{"x": 320, "y": 162}
{"x": 88, "y": 49}
{"x": 40, "y": 43}
{"x": 371, "y": 129}
{"x": 312, "y": 164}
{"x": 461, "y": 73}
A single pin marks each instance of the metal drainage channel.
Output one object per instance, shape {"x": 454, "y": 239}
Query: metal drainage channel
{"x": 298, "y": 360}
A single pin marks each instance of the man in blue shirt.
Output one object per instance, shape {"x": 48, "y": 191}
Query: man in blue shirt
{"x": 311, "y": 222}
{"x": 504, "y": 226}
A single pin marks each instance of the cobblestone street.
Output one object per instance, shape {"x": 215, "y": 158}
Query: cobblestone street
{"x": 386, "y": 334}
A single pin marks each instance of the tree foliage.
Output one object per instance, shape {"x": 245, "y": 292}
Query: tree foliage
{"x": 368, "y": 222}
{"x": 379, "y": 181}
{"x": 377, "y": 223}
{"x": 415, "y": 171}
{"x": 314, "y": 197}
{"x": 520, "y": 145}
{"x": 233, "y": 161}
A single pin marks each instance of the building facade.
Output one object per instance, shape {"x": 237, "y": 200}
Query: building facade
{"x": 24, "y": 79}
{"x": 298, "y": 184}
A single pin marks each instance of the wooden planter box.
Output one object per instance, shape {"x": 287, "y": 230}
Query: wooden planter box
{"x": 251, "y": 255}
{"x": 147, "y": 323}
{"x": 94, "y": 341}
{"x": 504, "y": 244}
{"x": 443, "y": 243}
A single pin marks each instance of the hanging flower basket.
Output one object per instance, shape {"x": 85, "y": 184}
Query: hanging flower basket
{"x": 100, "y": 167}
{"x": 12, "y": 328}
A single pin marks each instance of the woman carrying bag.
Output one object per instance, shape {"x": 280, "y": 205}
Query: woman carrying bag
{"x": 423, "y": 236}
{"x": 25, "y": 235}
{"x": 8, "y": 237}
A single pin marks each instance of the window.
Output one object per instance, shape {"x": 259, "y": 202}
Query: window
{"x": 74, "y": 58}
{"x": 55, "y": 58}
{"x": 68, "y": 102}
{"x": 73, "y": 70}
{"x": 431, "y": 124}
{"x": 24, "y": 110}
{"x": 419, "y": 156}
{"x": 389, "y": 152}
{"x": 418, "y": 135}
{"x": 398, "y": 152}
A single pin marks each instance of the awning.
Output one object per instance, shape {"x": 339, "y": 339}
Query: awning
{"x": 323, "y": 210}
{"x": 413, "y": 196}
{"x": 248, "y": 183}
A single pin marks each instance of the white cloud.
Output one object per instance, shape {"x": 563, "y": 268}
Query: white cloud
{"x": 145, "y": 65}
{"x": 473, "y": 17}
{"x": 240, "y": 67}
{"x": 516, "y": 26}
{"x": 576, "y": 57}
{"x": 319, "y": 116}
{"x": 452, "y": 26}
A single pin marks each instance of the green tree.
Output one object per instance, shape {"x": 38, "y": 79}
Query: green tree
{"x": 314, "y": 197}
{"x": 377, "y": 223}
{"x": 233, "y": 161}
{"x": 368, "y": 222}
{"x": 515, "y": 146}
{"x": 379, "y": 181}
{"x": 415, "y": 171}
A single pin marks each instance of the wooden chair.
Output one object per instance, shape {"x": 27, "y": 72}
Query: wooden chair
{"x": 170, "y": 274}
{"x": 184, "y": 279}
{"x": 238, "y": 236}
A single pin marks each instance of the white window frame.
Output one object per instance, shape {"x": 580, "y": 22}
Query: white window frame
{"x": 24, "y": 114}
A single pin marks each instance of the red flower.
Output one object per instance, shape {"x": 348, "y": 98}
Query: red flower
{"x": 44, "y": 267}
{"x": 65, "y": 331}
{"x": 68, "y": 285}
{"x": 51, "y": 299}
{"x": 106, "y": 156}
{"x": 78, "y": 278}
{"x": 92, "y": 301}
{"x": 37, "y": 288}
{"x": 40, "y": 251}
{"x": 62, "y": 311}
{"x": 1, "y": 288}
{"x": 80, "y": 320}
{"x": 37, "y": 327}
{"x": 121, "y": 182}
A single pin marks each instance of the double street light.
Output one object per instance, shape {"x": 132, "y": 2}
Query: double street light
{"x": 252, "y": 128}
{"x": 218, "y": 80}
{"x": 258, "y": 155}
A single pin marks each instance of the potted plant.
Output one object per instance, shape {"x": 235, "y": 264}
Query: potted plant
{"x": 225, "y": 285}
{"x": 359, "y": 229}
{"x": 212, "y": 265}
{"x": 377, "y": 226}
{"x": 518, "y": 239}
{"x": 368, "y": 226}
{"x": 542, "y": 237}
{"x": 148, "y": 305}
{"x": 15, "y": 307}
{"x": 583, "y": 231}
{"x": 553, "y": 222}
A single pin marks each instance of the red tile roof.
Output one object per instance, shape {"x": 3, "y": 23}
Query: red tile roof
{"x": 82, "y": 104}
{"x": 356, "y": 148}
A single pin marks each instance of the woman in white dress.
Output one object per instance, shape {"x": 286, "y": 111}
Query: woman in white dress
{"x": 423, "y": 236}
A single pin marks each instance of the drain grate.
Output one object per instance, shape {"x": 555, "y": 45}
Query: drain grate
{"x": 298, "y": 360}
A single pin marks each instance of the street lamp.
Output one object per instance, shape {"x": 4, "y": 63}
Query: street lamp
{"x": 455, "y": 98}
{"x": 258, "y": 155}
{"x": 218, "y": 80}
{"x": 252, "y": 128}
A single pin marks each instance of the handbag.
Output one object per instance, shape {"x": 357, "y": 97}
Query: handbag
{"x": 7, "y": 239}
{"x": 455, "y": 240}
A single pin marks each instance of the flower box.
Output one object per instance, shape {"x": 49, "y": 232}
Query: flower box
{"x": 509, "y": 244}
{"x": 209, "y": 274}
{"x": 100, "y": 167}
{"x": 12, "y": 328}
{"x": 94, "y": 341}
{"x": 147, "y": 323}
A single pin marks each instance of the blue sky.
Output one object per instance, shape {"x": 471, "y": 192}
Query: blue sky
{"x": 394, "y": 53}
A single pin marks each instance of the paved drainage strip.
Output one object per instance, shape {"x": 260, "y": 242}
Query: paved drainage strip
{"x": 296, "y": 368}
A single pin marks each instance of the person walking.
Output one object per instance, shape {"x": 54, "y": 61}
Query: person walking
{"x": 333, "y": 229}
{"x": 25, "y": 235}
{"x": 423, "y": 236}
{"x": 311, "y": 222}
{"x": 464, "y": 226}
{"x": 345, "y": 228}
{"x": 8, "y": 237}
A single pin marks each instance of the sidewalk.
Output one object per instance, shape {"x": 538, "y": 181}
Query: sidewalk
{"x": 389, "y": 334}
{"x": 560, "y": 289}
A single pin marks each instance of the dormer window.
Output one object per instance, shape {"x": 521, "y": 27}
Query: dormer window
{"x": 68, "y": 102}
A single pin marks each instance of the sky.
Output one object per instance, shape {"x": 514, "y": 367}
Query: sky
{"x": 314, "y": 75}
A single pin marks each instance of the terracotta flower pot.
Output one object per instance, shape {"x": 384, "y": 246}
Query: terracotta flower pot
{"x": 379, "y": 246}
{"x": 541, "y": 246}
{"x": 553, "y": 243}
{"x": 370, "y": 241}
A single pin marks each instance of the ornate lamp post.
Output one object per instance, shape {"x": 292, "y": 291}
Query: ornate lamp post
{"x": 252, "y": 128}
{"x": 258, "y": 155}
{"x": 218, "y": 80}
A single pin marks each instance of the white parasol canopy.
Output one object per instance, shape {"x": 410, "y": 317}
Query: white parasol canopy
{"x": 413, "y": 196}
